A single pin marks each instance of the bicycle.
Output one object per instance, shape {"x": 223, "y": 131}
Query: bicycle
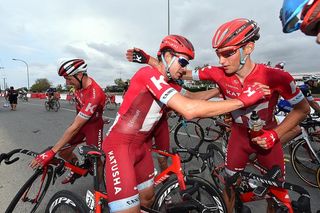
{"x": 180, "y": 194}
{"x": 23, "y": 97}
{"x": 30, "y": 195}
{"x": 52, "y": 104}
{"x": 187, "y": 134}
{"x": 252, "y": 187}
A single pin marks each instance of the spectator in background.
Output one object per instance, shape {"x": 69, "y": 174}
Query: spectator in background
{"x": 12, "y": 96}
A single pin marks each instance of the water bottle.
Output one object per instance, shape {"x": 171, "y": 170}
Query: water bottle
{"x": 255, "y": 125}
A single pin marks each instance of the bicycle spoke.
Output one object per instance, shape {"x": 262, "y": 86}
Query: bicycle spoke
{"x": 304, "y": 163}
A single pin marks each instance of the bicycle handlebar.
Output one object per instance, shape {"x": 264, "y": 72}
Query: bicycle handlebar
{"x": 6, "y": 156}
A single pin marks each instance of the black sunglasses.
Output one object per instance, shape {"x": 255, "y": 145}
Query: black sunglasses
{"x": 183, "y": 61}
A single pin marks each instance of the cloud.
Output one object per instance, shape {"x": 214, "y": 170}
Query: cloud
{"x": 100, "y": 31}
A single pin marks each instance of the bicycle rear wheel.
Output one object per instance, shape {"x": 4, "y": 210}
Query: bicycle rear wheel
{"x": 201, "y": 191}
{"x": 32, "y": 192}
{"x": 304, "y": 163}
{"x": 55, "y": 106}
{"x": 66, "y": 202}
{"x": 212, "y": 132}
{"x": 188, "y": 134}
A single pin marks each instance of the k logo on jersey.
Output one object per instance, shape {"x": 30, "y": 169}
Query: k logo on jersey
{"x": 249, "y": 92}
{"x": 158, "y": 82}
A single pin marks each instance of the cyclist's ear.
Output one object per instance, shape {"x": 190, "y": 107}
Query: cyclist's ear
{"x": 248, "y": 48}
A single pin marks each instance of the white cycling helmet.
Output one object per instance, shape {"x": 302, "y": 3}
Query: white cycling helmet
{"x": 72, "y": 67}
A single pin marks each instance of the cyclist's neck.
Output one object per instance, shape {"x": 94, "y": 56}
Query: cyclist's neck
{"x": 247, "y": 68}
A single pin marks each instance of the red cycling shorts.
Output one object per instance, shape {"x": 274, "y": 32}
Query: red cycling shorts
{"x": 92, "y": 132}
{"x": 128, "y": 169}
{"x": 240, "y": 147}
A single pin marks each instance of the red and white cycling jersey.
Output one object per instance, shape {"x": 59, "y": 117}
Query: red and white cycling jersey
{"x": 90, "y": 101}
{"x": 144, "y": 102}
{"x": 89, "y": 105}
{"x": 279, "y": 81}
{"x": 239, "y": 145}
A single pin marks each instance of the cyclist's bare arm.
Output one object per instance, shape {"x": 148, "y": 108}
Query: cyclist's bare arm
{"x": 203, "y": 95}
{"x": 296, "y": 116}
{"x": 70, "y": 132}
{"x": 199, "y": 108}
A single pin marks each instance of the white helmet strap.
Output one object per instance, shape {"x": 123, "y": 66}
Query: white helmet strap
{"x": 168, "y": 66}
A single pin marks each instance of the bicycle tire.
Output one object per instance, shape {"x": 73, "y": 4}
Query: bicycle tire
{"x": 188, "y": 134}
{"x": 303, "y": 165}
{"x": 216, "y": 164}
{"x": 29, "y": 187}
{"x": 66, "y": 202}
{"x": 46, "y": 105}
{"x": 55, "y": 106}
{"x": 205, "y": 193}
{"x": 212, "y": 132}
{"x": 58, "y": 104}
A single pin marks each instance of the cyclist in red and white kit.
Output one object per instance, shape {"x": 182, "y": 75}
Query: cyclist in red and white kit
{"x": 88, "y": 124}
{"x": 129, "y": 167}
{"x": 234, "y": 42}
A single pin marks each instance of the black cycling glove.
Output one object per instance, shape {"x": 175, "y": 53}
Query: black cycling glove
{"x": 139, "y": 56}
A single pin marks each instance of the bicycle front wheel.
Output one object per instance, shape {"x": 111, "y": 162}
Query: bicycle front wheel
{"x": 66, "y": 201}
{"x": 32, "y": 192}
{"x": 304, "y": 163}
{"x": 47, "y": 105}
{"x": 201, "y": 192}
{"x": 188, "y": 134}
{"x": 212, "y": 132}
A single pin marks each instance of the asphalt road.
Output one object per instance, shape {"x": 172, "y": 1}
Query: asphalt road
{"x": 32, "y": 127}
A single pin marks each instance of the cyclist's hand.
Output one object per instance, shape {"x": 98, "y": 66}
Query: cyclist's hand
{"x": 267, "y": 139}
{"x": 42, "y": 159}
{"x": 252, "y": 93}
{"x": 137, "y": 55}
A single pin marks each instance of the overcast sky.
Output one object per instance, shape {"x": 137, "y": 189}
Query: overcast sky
{"x": 100, "y": 31}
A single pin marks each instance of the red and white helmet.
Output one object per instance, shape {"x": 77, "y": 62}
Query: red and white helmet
{"x": 72, "y": 67}
{"x": 235, "y": 33}
{"x": 280, "y": 65}
{"x": 178, "y": 44}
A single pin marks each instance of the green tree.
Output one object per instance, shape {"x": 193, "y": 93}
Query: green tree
{"x": 41, "y": 85}
{"x": 59, "y": 88}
